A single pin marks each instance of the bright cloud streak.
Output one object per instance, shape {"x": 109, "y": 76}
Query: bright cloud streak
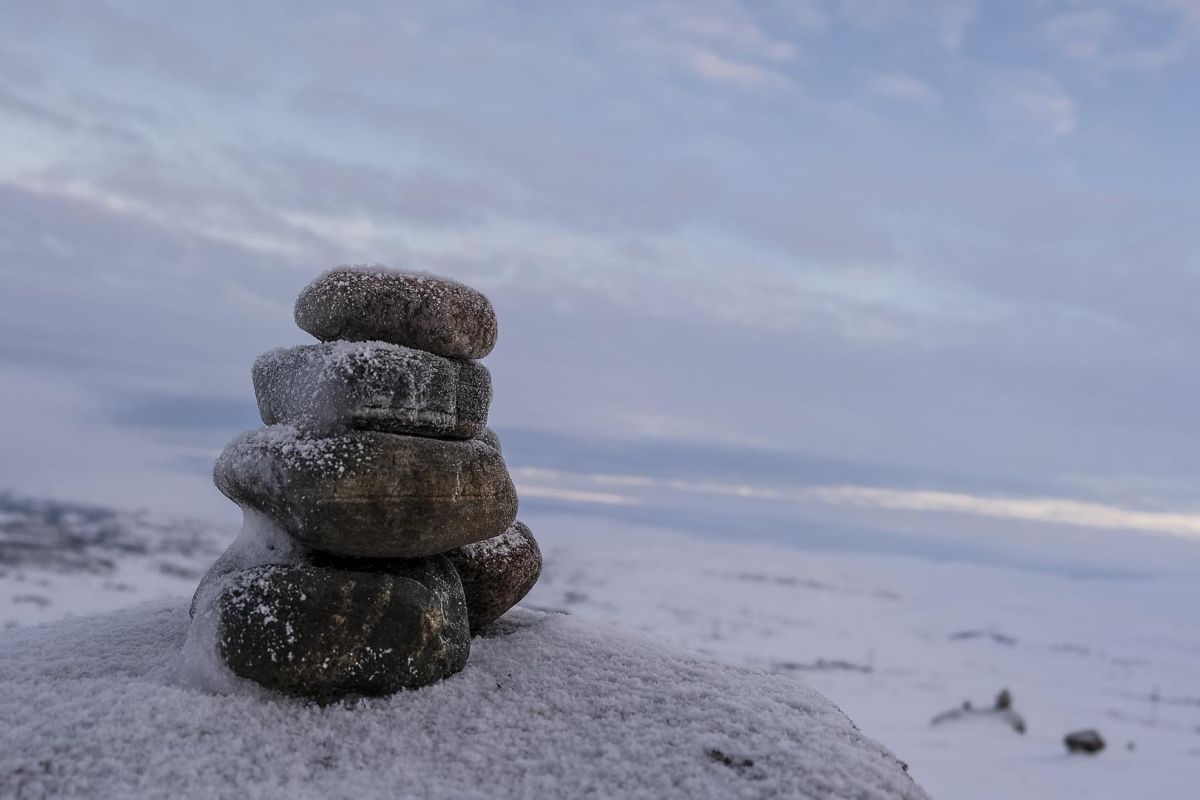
{"x": 1048, "y": 510}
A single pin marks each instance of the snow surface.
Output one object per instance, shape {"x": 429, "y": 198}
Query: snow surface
{"x": 893, "y": 640}
{"x": 548, "y": 706}
{"x": 897, "y": 640}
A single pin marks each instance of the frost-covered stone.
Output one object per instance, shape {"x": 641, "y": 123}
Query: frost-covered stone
{"x": 370, "y": 494}
{"x": 489, "y": 437}
{"x": 406, "y": 308}
{"x": 326, "y": 633}
{"x": 496, "y": 573}
{"x": 335, "y": 386}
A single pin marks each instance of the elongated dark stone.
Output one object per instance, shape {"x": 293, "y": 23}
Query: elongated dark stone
{"x": 370, "y": 494}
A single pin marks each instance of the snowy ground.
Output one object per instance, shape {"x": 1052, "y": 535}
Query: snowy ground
{"x": 892, "y": 639}
{"x": 549, "y": 706}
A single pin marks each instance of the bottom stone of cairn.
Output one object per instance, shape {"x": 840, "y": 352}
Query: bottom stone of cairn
{"x": 326, "y": 633}
{"x": 495, "y": 573}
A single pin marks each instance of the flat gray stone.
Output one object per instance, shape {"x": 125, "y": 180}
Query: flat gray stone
{"x": 338, "y": 386}
{"x": 370, "y": 494}
{"x": 327, "y": 633}
{"x": 496, "y": 573}
{"x": 407, "y": 308}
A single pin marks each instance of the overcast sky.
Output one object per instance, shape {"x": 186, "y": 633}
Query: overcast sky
{"x": 946, "y": 245}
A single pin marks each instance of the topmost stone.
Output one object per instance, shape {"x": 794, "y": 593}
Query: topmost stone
{"x": 411, "y": 309}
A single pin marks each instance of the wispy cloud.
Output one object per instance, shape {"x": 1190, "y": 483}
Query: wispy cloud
{"x": 1123, "y": 35}
{"x": 1080, "y": 34}
{"x": 715, "y": 40}
{"x": 1035, "y": 105}
{"x": 1038, "y": 510}
{"x": 711, "y": 220}
{"x": 904, "y": 88}
{"x": 947, "y": 21}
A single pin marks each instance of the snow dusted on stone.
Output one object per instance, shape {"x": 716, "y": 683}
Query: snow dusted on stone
{"x": 497, "y": 546}
{"x": 288, "y": 447}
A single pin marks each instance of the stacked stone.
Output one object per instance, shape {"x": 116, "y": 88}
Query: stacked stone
{"x": 381, "y": 526}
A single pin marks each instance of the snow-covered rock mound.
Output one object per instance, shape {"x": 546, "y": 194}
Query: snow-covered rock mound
{"x": 548, "y": 706}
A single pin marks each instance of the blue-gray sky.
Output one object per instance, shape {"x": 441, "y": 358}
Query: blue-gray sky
{"x": 947, "y": 246}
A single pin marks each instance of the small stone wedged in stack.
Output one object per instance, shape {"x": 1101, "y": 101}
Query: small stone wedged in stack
{"x": 496, "y": 573}
{"x": 381, "y": 526}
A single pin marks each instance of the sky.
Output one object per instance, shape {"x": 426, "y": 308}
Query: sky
{"x": 935, "y": 258}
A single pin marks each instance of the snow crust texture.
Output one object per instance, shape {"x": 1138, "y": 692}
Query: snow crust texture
{"x": 548, "y": 706}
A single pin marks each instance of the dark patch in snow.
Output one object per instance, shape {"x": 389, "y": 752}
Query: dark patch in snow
{"x": 75, "y": 537}
{"x": 821, "y": 665}
{"x": 738, "y": 764}
{"x": 998, "y": 638}
{"x": 784, "y": 580}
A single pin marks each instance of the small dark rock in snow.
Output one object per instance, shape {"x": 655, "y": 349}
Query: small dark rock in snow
{"x": 1084, "y": 741}
{"x": 328, "y": 633}
{"x": 412, "y": 309}
{"x": 998, "y": 638}
{"x": 1001, "y": 711}
{"x": 736, "y": 763}
{"x": 336, "y": 386}
{"x": 370, "y": 494}
{"x": 496, "y": 573}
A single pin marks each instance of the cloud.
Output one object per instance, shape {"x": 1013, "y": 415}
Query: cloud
{"x": 904, "y": 88}
{"x": 708, "y": 64}
{"x": 717, "y": 40}
{"x": 947, "y": 21}
{"x": 1043, "y": 510}
{"x": 133, "y": 42}
{"x": 1149, "y": 35}
{"x": 688, "y": 231}
{"x": 803, "y": 15}
{"x": 1034, "y": 105}
{"x": 1080, "y": 34}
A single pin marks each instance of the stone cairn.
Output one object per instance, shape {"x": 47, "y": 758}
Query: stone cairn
{"x": 381, "y": 528}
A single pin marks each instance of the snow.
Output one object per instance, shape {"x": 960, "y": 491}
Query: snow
{"x": 286, "y": 447}
{"x": 893, "y": 640}
{"x": 548, "y": 706}
{"x": 883, "y": 637}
